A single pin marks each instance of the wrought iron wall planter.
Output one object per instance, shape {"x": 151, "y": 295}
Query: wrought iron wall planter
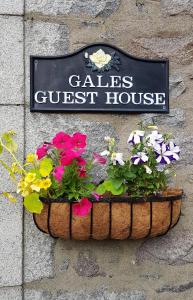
{"x": 112, "y": 218}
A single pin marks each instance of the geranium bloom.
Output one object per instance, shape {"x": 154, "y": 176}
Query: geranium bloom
{"x": 175, "y": 151}
{"x": 58, "y": 173}
{"x": 82, "y": 208}
{"x": 139, "y": 158}
{"x": 67, "y": 156}
{"x": 163, "y": 155}
{"x": 135, "y": 137}
{"x": 79, "y": 140}
{"x": 99, "y": 159}
{"x": 117, "y": 157}
{"x": 154, "y": 138}
{"x": 62, "y": 140}
{"x": 42, "y": 151}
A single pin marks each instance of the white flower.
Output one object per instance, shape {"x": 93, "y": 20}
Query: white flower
{"x": 100, "y": 58}
{"x": 139, "y": 158}
{"x": 154, "y": 138}
{"x": 107, "y": 138}
{"x": 148, "y": 170}
{"x": 135, "y": 137}
{"x": 105, "y": 153}
{"x": 117, "y": 157}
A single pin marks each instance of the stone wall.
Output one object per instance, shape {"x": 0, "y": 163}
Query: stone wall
{"x": 33, "y": 265}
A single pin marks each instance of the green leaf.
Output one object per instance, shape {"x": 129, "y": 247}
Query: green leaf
{"x": 1, "y": 148}
{"x": 118, "y": 191}
{"x": 46, "y": 166}
{"x": 9, "y": 142}
{"x": 117, "y": 182}
{"x": 8, "y": 169}
{"x": 33, "y": 204}
{"x": 9, "y": 197}
{"x": 101, "y": 189}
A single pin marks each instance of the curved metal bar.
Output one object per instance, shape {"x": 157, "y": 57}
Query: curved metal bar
{"x": 49, "y": 229}
{"x": 35, "y": 222}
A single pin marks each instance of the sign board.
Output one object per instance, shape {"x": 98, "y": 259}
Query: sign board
{"x": 99, "y": 78}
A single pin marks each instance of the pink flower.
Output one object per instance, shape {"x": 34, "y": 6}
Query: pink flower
{"x": 82, "y": 208}
{"x": 81, "y": 161}
{"x": 62, "y": 141}
{"x": 58, "y": 173}
{"x": 67, "y": 156}
{"x": 42, "y": 151}
{"x": 97, "y": 196}
{"x": 99, "y": 159}
{"x": 79, "y": 140}
{"x": 82, "y": 172}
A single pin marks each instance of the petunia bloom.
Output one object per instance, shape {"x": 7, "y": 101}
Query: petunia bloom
{"x": 163, "y": 154}
{"x": 81, "y": 161}
{"x": 79, "y": 140}
{"x": 117, "y": 157}
{"x": 135, "y": 137}
{"x": 175, "y": 150}
{"x": 99, "y": 159}
{"x": 58, "y": 173}
{"x": 139, "y": 158}
{"x": 82, "y": 172}
{"x": 154, "y": 138}
{"x": 147, "y": 169}
{"x": 67, "y": 156}
{"x": 82, "y": 208}
{"x": 97, "y": 196}
{"x": 42, "y": 151}
{"x": 62, "y": 141}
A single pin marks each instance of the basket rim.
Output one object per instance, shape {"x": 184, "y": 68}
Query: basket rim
{"x": 168, "y": 195}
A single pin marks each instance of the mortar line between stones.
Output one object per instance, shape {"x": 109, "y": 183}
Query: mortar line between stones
{"x": 24, "y": 153}
{"x": 11, "y": 15}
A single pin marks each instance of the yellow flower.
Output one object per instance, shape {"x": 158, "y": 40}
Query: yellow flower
{"x": 31, "y": 158}
{"x": 15, "y": 168}
{"x": 30, "y": 177}
{"x": 37, "y": 185}
{"x": 23, "y": 188}
{"x": 100, "y": 58}
{"x": 46, "y": 183}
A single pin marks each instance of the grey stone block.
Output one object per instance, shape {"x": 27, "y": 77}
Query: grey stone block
{"x": 11, "y": 60}
{"x": 102, "y": 294}
{"x": 43, "y": 39}
{"x": 10, "y": 7}
{"x": 175, "y": 7}
{"x": 11, "y": 293}
{"x": 177, "y": 86}
{"x": 176, "y": 248}
{"x": 90, "y": 7}
{"x": 175, "y": 118}
{"x": 11, "y": 243}
{"x": 12, "y": 117}
{"x": 38, "y": 258}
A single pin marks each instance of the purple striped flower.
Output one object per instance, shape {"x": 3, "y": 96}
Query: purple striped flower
{"x": 139, "y": 158}
{"x": 135, "y": 137}
{"x": 175, "y": 151}
{"x": 163, "y": 154}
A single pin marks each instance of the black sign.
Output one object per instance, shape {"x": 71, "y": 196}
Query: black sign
{"x": 99, "y": 78}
